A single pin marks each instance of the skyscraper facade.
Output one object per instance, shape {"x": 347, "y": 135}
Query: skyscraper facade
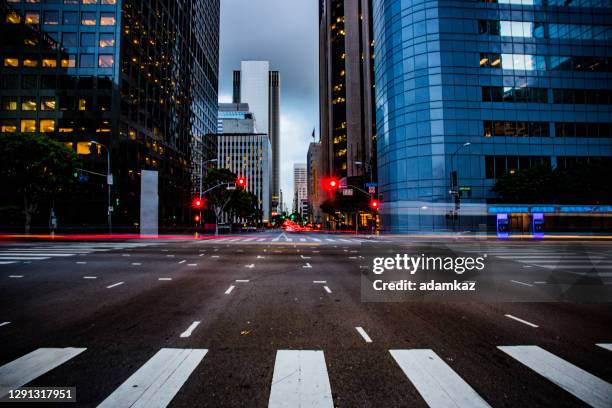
{"x": 139, "y": 77}
{"x": 256, "y": 85}
{"x": 347, "y": 122}
{"x": 484, "y": 88}
{"x": 300, "y": 187}
{"x": 314, "y": 188}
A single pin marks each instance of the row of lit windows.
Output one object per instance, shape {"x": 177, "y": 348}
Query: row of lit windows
{"x": 105, "y": 40}
{"x": 515, "y": 128}
{"x": 528, "y": 29}
{"x": 66, "y": 103}
{"x": 50, "y": 126}
{"x": 87, "y": 18}
{"x": 542, "y": 63}
{"x": 514, "y": 94}
{"x": 497, "y": 166}
{"x": 559, "y": 3}
{"x": 10, "y": 103}
{"x": 65, "y": 1}
{"x": 85, "y": 61}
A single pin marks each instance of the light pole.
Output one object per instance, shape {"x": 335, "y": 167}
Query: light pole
{"x": 109, "y": 182}
{"x": 202, "y": 162}
{"x": 454, "y": 185}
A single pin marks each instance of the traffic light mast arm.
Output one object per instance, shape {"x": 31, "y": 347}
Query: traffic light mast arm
{"x": 91, "y": 172}
{"x": 359, "y": 189}
{"x": 218, "y": 185}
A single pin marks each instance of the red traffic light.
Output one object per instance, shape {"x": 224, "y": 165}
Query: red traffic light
{"x": 198, "y": 203}
{"x": 332, "y": 184}
{"x": 374, "y": 204}
{"x": 241, "y": 182}
{"x": 196, "y": 218}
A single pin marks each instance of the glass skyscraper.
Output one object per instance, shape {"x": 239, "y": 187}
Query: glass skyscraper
{"x": 484, "y": 88}
{"x": 138, "y": 76}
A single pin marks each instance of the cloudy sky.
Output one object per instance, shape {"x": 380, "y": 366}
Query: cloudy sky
{"x": 285, "y": 33}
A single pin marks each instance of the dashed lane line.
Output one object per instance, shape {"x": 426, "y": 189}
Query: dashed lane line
{"x": 115, "y": 285}
{"x": 363, "y": 334}
{"x": 521, "y": 321}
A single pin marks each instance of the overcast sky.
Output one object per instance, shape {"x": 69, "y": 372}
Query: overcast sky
{"x": 285, "y": 33}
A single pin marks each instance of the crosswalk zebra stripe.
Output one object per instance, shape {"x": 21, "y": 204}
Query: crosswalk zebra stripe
{"x": 329, "y": 240}
{"x": 584, "y": 386}
{"x": 316, "y": 239}
{"x": 607, "y": 346}
{"x": 23, "y": 258}
{"x": 300, "y": 380}
{"x": 156, "y": 383}
{"x": 7, "y": 262}
{"x": 437, "y": 383}
{"x": 19, "y": 372}
{"x": 51, "y": 254}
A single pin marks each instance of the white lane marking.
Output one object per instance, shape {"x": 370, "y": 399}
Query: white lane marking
{"x": 540, "y": 282}
{"x": 7, "y": 262}
{"x": 439, "y": 385}
{"x": 352, "y": 257}
{"x": 584, "y": 386}
{"x": 302, "y": 239}
{"x": 30, "y": 258}
{"x": 81, "y": 263}
{"x": 183, "y": 261}
{"x": 308, "y": 265}
{"x": 136, "y": 264}
{"x": 344, "y": 240}
{"x": 114, "y": 285}
{"x": 260, "y": 257}
{"x": 305, "y": 257}
{"x": 261, "y": 239}
{"x": 607, "y": 346}
{"x": 164, "y": 279}
{"x": 126, "y": 255}
{"x": 277, "y": 238}
{"x": 15, "y": 276}
{"x": 170, "y": 256}
{"x": 27, "y": 254}
{"x": 214, "y": 256}
{"x": 201, "y": 254}
{"x": 330, "y": 240}
{"x": 363, "y": 334}
{"x": 19, "y": 372}
{"x": 157, "y": 382}
{"x": 250, "y": 266}
{"x": 242, "y": 280}
{"x": 190, "y": 329}
{"x": 249, "y": 239}
{"x": 4, "y": 323}
{"x": 300, "y": 379}
{"x": 521, "y": 283}
{"x": 192, "y": 264}
{"x": 229, "y": 290}
{"x": 327, "y": 289}
{"x": 90, "y": 277}
{"x": 316, "y": 239}
{"x": 521, "y": 320}
{"x": 319, "y": 281}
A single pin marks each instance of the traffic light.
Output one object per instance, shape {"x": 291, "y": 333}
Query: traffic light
{"x": 241, "y": 182}
{"x": 332, "y": 184}
{"x": 198, "y": 203}
{"x": 196, "y": 218}
{"x": 374, "y": 204}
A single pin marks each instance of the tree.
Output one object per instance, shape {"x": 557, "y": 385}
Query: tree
{"x": 36, "y": 168}
{"x": 532, "y": 185}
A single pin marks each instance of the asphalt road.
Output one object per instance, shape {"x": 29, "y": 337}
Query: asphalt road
{"x": 280, "y": 320}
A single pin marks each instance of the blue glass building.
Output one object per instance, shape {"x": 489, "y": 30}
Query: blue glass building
{"x": 484, "y": 87}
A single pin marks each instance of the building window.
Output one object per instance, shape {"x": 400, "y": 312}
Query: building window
{"x": 512, "y": 94}
{"x": 12, "y": 62}
{"x": 490, "y": 60}
{"x": 68, "y": 61}
{"x": 28, "y": 104}
{"x": 105, "y": 61}
{"x": 13, "y": 18}
{"x": 30, "y": 61}
{"x": 516, "y": 28}
{"x": 8, "y": 126}
{"x": 87, "y": 61}
{"x": 107, "y": 19}
{"x": 28, "y": 125}
{"x": 89, "y": 1}
{"x": 488, "y": 27}
{"x": 82, "y": 104}
{"x": 49, "y": 63}
{"x": 107, "y": 40}
{"x": 582, "y": 96}
{"x": 32, "y": 18}
{"x": 9, "y": 103}
{"x": 88, "y": 40}
{"x": 51, "y": 18}
{"x": 88, "y": 18}
{"x": 84, "y": 148}
{"x": 498, "y": 166}
{"x": 47, "y": 125}
{"x": 71, "y": 18}
{"x": 593, "y": 130}
{"x": 109, "y": 1}
{"x": 515, "y": 128}
{"x": 69, "y": 40}
{"x": 47, "y": 103}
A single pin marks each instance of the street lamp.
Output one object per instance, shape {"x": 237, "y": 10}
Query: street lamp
{"x": 202, "y": 171}
{"x": 453, "y": 175}
{"x": 109, "y": 182}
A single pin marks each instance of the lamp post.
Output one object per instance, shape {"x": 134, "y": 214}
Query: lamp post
{"x": 202, "y": 162}
{"x": 109, "y": 182}
{"x": 454, "y": 185}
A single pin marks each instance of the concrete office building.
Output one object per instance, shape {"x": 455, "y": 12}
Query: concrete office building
{"x": 347, "y": 122}
{"x": 315, "y": 189}
{"x": 300, "y": 187}
{"x": 245, "y": 152}
{"x": 525, "y": 83}
{"x": 256, "y": 85}
{"x": 139, "y": 77}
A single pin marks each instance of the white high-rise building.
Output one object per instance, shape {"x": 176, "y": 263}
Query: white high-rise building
{"x": 300, "y": 186}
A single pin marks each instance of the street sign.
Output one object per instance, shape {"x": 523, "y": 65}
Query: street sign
{"x": 83, "y": 177}
{"x": 347, "y": 192}
{"x": 371, "y": 189}
{"x": 109, "y": 179}
{"x": 371, "y": 184}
